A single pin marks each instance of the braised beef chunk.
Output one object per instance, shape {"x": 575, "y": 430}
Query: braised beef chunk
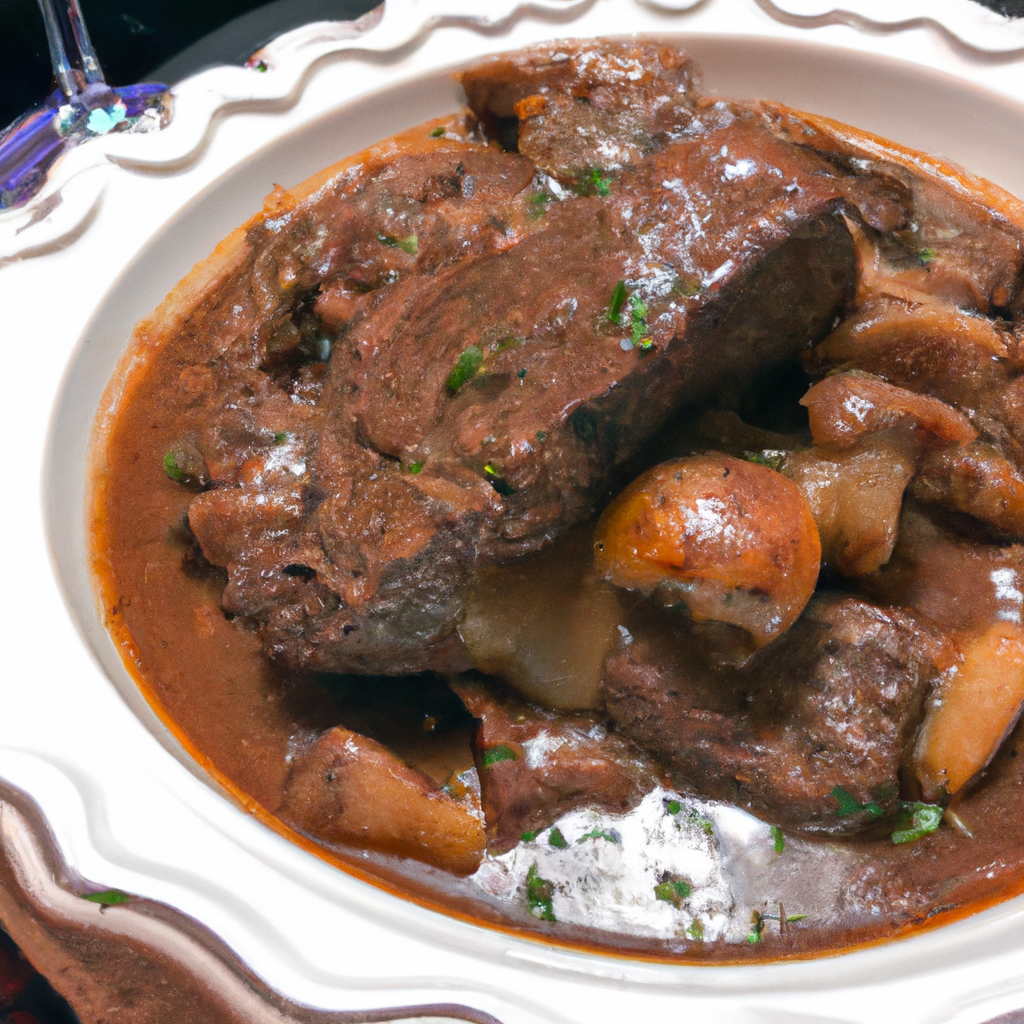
{"x": 478, "y": 405}
{"x": 579, "y": 111}
{"x": 833, "y": 703}
{"x": 536, "y": 764}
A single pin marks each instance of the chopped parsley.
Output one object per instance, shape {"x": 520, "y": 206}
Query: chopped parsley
{"x": 557, "y": 840}
{"x": 756, "y": 927}
{"x": 465, "y": 369}
{"x": 696, "y": 931}
{"x": 528, "y": 837}
{"x": 674, "y": 891}
{"x": 608, "y": 835}
{"x": 281, "y": 437}
{"x": 706, "y": 824}
{"x": 437, "y": 132}
{"x": 521, "y": 373}
{"x": 926, "y": 256}
{"x": 673, "y": 806}
{"x": 495, "y": 755}
{"x": 638, "y": 321}
{"x": 594, "y": 183}
{"x": 107, "y": 898}
{"x": 793, "y": 918}
{"x": 414, "y": 467}
{"x": 497, "y": 481}
{"x": 779, "y": 838}
{"x": 915, "y": 821}
{"x": 261, "y": 66}
{"x": 617, "y": 302}
{"x": 537, "y": 205}
{"x": 539, "y": 894}
{"x": 410, "y": 244}
{"x": 849, "y": 804}
{"x": 771, "y": 457}
{"x": 541, "y": 435}
{"x": 172, "y": 469}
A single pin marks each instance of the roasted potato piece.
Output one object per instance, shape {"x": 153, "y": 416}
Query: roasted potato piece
{"x": 733, "y": 540}
{"x": 349, "y": 789}
{"x": 975, "y": 709}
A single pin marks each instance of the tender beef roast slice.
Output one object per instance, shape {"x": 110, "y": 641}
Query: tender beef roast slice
{"x": 959, "y": 243}
{"x": 834, "y": 702}
{"x": 536, "y": 764}
{"x": 578, "y": 109}
{"x": 482, "y": 406}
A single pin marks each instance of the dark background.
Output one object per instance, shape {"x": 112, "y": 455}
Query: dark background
{"x": 135, "y": 38}
{"x": 166, "y": 40}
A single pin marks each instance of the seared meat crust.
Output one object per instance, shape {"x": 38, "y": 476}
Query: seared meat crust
{"x": 833, "y": 702}
{"x": 355, "y": 483}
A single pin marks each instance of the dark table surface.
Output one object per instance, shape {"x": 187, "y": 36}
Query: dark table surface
{"x": 165, "y": 40}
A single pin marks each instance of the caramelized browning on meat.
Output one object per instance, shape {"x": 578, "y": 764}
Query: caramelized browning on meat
{"x": 833, "y": 702}
{"x": 448, "y": 408}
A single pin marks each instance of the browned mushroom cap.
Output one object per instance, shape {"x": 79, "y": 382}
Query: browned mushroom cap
{"x": 733, "y": 540}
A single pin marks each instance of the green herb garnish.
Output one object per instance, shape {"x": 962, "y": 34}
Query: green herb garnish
{"x": 411, "y": 244}
{"x": 791, "y": 918}
{"x": 915, "y": 821}
{"x": 172, "y": 469}
{"x": 557, "y": 840}
{"x": 541, "y": 435}
{"x": 696, "y": 931}
{"x": 778, "y": 838}
{"x": 107, "y": 898}
{"x": 495, "y": 755}
{"x": 280, "y": 437}
{"x": 537, "y": 205}
{"x": 638, "y": 320}
{"x": 770, "y": 457}
{"x": 673, "y": 806}
{"x": 497, "y": 481}
{"x": 465, "y": 369}
{"x": 261, "y": 66}
{"x": 521, "y": 374}
{"x": 849, "y": 804}
{"x": 926, "y": 255}
{"x": 757, "y": 927}
{"x": 539, "y": 893}
{"x": 609, "y": 835}
{"x": 437, "y": 132}
{"x": 594, "y": 183}
{"x": 528, "y": 837}
{"x": 414, "y": 467}
{"x": 615, "y": 306}
{"x": 704, "y": 823}
{"x": 674, "y": 891}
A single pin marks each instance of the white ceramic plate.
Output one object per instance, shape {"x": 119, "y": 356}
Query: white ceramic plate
{"x": 126, "y": 806}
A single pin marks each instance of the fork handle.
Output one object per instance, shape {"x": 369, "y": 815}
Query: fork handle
{"x": 74, "y": 60}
